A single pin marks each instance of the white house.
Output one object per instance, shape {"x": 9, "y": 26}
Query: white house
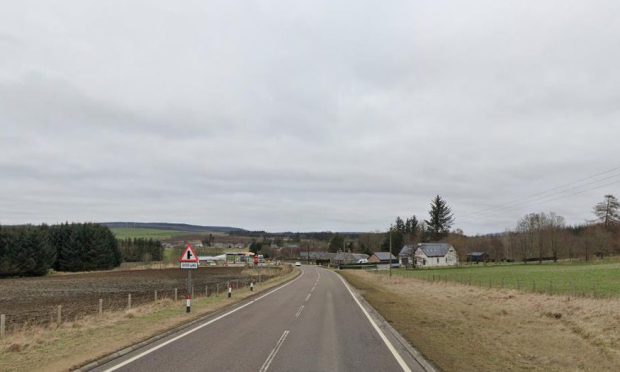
{"x": 436, "y": 254}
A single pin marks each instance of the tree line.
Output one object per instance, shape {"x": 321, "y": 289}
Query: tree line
{"x": 141, "y": 250}
{"x": 34, "y": 250}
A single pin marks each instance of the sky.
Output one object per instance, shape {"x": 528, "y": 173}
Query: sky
{"x": 307, "y": 115}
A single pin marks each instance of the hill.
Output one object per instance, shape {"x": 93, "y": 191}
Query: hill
{"x": 176, "y": 227}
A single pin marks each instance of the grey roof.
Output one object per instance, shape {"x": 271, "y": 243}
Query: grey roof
{"x": 407, "y": 251}
{"x": 349, "y": 257}
{"x": 384, "y": 256}
{"x": 476, "y": 254}
{"x": 435, "y": 249}
{"x": 316, "y": 255}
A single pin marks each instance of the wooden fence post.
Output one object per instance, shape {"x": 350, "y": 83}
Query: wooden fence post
{"x": 176, "y": 294}
{"x": 206, "y": 290}
{"x": 59, "y": 315}
{"x": 217, "y": 289}
{"x": 2, "y": 325}
{"x": 129, "y": 301}
{"x": 100, "y": 307}
{"x": 155, "y": 295}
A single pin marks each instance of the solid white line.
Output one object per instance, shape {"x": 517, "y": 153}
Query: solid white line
{"x": 299, "y": 311}
{"x": 387, "y": 342}
{"x": 273, "y": 353}
{"x": 130, "y": 360}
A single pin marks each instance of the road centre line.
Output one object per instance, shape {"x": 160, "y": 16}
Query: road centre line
{"x": 133, "y": 359}
{"x": 308, "y": 296}
{"x": 273, "y": 353}
{"x": 387, "y": 342}
{"x": 299, "y": 311}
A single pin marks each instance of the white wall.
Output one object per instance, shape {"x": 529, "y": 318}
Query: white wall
{"x": 451, "y": 259}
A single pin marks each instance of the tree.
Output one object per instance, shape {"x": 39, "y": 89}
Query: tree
{"x": 607, "y": 211}
{"x": 336, "y": 243}
{"x": 440, "y": 219}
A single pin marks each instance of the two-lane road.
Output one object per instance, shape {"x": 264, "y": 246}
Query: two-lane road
{"x": 312, "y": 323}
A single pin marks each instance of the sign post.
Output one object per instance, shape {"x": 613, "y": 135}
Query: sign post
{"x": 189, "y": 261}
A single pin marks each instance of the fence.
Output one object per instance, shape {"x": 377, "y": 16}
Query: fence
{"x": 96, "y": 305}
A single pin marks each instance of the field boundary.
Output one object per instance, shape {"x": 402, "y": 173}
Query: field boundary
{"x": 177, "y": 328}
{"x": 402, "y": 344}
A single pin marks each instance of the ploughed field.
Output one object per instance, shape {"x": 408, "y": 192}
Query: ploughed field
{"x": 34, "y": 301}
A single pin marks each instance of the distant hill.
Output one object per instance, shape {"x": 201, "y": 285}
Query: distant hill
{"x": 174, "y": 226}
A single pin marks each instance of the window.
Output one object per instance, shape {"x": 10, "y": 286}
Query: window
{"x": 446, "y": 259}
{"x": 437, "y": 259}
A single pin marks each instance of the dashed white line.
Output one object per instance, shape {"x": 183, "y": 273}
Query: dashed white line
{"x": 273, "y": 353}
{"x": 299, "y": 311}
{"x": 308, "y": 296}
{"x": 130, "y": 360}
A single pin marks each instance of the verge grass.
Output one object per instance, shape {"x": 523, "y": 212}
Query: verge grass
{"x": 77, "y": 343}
{"x": 467, "y": 328}
{"x": 576, "y": 279}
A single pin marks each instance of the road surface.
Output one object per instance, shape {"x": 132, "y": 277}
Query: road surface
{"x": 310, "y": 324}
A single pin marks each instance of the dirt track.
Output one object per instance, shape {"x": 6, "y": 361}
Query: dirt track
{"x": 34, "y": 300}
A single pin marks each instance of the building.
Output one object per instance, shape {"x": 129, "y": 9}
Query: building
{"x": 346, "y": 258}
{"x": 435, "y": 255}
{"x": 477, "y": 257}
{"x": 318, "y": 258}
{"x": 383, "y": 259}
{"x": 406, "y": 256}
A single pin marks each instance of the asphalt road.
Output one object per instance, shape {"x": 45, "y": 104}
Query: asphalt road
{"x": 310, "y": 324}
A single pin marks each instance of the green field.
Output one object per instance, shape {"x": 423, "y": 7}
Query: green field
{"x": 125, "y": 233}
{"x": 578, "y": 279}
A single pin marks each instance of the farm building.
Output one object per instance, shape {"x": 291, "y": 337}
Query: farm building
{"x": 318, "y": 258}
{"x": 406, "y": 256}
{"x": 346, "y": 258}
{"x": 435, "y": 254}
{"x": 383, "y": 260}
{"x": 477, "y": 257}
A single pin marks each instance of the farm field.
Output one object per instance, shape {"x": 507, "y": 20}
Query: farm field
{"x": 33, "y": 301}
{"x": 577, "y": 279}
{"x": 126, "y": 233}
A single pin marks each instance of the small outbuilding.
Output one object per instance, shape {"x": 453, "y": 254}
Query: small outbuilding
{"x": 477, "y": 257}
{"x": 383, "y": 260}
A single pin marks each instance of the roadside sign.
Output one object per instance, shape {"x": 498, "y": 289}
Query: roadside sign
{"x": 189, "y": 265}
{"x": 189, "y": 255}
{"x": 255, "y": 259}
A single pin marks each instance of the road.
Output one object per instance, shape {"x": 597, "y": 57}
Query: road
{"x": 312, "y": 323}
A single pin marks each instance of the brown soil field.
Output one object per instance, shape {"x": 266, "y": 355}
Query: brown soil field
{"x": 34, "y": 301}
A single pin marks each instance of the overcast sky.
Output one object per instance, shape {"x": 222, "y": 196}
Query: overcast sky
{"x": 307, "y": 115}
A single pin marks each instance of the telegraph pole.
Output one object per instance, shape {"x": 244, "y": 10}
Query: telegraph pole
{"x": 390, "y": 265}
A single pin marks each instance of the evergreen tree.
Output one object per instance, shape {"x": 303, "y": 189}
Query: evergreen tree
{"x": 336, "y": 243}
{"x": 440, "y": 219}
{"x": 607, "y": 211}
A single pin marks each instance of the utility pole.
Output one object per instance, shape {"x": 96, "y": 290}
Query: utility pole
{"x": 390, "y": 265}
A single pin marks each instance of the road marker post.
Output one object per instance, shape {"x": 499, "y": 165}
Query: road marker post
{"x": 252, "y": 286}
{"x": 229, "y": 290}
{"x": 188, "y": 303}
{"x": 2, "y": 325}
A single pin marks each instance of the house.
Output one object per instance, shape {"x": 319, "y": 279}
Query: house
{"x": 383, "y": 260}
{"x": 318, "y": 258}
{"x": 406, "y": 256}
{"x": 477, "y": 257}
{"x": 435, "y": 254}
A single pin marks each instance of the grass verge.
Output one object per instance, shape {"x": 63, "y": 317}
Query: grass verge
{"x": 77, "y": 343}
{"x": 465, "y": 328}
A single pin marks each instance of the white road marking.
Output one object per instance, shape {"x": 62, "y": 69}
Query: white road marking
{"x": 308, "y": 296}
{"x": 387, "y": 342}
{"x": 299, "y": 311}
{"x": 133, "y": 359}
{"x": 274, "y": 352}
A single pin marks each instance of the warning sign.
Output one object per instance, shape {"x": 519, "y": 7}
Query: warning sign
{"x": 189, "y": 255}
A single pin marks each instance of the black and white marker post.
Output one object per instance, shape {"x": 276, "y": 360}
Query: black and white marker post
{"x": 252, "y": 286}
{"x": 229, "y": 290}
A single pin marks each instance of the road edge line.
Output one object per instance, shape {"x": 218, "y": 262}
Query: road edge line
{"x": 367, "y": 309}
{"x": 120, "y": 353}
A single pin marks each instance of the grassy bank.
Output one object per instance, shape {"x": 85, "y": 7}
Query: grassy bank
{"x": 75, "y": 343}
{"x": 576, "y": 279}
{"x": 467, "y": 328}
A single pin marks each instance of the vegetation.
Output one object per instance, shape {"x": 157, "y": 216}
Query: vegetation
{"x": 33, "y": 250}
{"x": 143, "y": 233}
{"x": 607, "y": 211}
{"x": 141, "y": 249}
{"x": 577, "y": 279}
{"x": 440, "y": 219}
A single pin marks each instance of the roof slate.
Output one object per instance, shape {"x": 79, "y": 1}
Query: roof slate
{"x": 435, "y": 249}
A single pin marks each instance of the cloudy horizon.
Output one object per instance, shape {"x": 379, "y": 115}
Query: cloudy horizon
{"x": 307, "y": 116}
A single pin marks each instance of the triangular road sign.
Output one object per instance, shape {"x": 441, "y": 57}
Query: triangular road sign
{"x": 189, "y": 255}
